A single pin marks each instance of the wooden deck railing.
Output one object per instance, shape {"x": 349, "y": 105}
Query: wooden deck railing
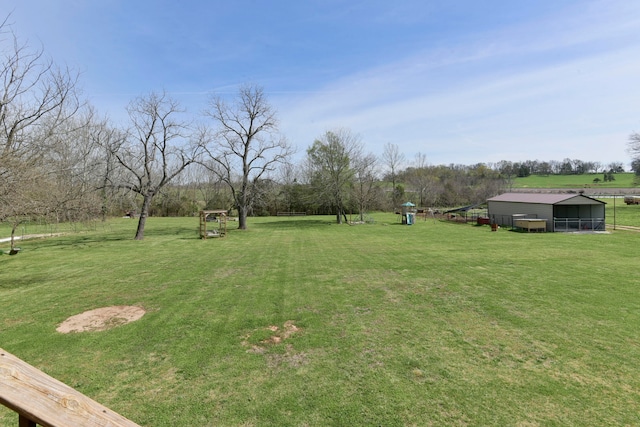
{"x": 42, "y": 400}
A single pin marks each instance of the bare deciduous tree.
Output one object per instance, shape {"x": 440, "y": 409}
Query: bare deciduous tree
{"x": 36, "y": 100}
{"x": 36, "y": 97}
{"x": 25, "y": 191}
{"x": 393, "y": 159}
{"x": 157, "y": 147}
{"x": 420, "y": 178}
{"x": 103, "y": 138}
{"x": 247, "y": 145}
{"x": 365, "y": 182}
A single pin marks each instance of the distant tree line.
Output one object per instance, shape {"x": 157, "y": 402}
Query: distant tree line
{"x": 555, "y": 167}
{"x": 60, "y": 160}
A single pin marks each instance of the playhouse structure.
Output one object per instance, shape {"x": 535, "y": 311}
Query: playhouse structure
{"x": 408, "y": 213}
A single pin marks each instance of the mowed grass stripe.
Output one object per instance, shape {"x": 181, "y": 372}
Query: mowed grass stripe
{"x": 299, "y": 321}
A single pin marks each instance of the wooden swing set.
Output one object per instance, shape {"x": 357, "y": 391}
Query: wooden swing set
{"x": 219, "y": 216}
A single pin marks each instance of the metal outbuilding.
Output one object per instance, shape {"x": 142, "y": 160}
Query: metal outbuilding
{"x": 561, "y": 212}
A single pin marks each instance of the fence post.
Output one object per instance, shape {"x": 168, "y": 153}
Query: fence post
{"x": 25, "y": 422}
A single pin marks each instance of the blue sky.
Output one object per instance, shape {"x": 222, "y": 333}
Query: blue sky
{"x": 459, "y": 81}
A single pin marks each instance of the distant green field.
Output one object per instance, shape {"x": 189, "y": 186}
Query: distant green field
{"x": 302, "y": 322}
{"x": 622, "y": 180}
{"x": 618, "y": 213}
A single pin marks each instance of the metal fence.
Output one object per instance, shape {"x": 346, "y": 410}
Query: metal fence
{"x": 508, "y": 220}
{"x": 578, "y": 224}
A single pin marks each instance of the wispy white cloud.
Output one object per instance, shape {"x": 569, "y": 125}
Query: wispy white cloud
{"x": 514, "y": 94}
{"x": 462, "y": 81}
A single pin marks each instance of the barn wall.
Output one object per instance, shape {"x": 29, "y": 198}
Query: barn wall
{"x": 597, "y": 211}
{"x": 502, "y": 213}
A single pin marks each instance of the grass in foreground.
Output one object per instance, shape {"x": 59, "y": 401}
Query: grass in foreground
{"x": 383, "y": 324}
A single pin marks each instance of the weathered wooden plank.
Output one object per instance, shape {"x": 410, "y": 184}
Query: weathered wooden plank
{"x": 49, "y": 402}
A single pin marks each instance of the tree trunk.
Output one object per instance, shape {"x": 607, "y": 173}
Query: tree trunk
{"x": 105, "y": 206}
{"x": 243, "y": 208}
{"x": 143, "y": 216}
{"x": 13, "y": 235}
{"x": 103, "y": 195}
{"x": 242, "y": 217}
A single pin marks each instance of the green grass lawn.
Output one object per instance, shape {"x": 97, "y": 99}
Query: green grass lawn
{"x": 431, "y": 324}
{"x": 618, "y": 213}
{"x": 622, "y": 180}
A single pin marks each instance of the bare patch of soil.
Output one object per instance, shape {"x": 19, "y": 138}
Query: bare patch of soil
{"x": 101, "y": 319}
{"x": 278, "y": 335}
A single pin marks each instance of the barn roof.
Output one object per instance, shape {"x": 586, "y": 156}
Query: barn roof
{"x": 540, "y": 198}
{"x": 464, "y": 208}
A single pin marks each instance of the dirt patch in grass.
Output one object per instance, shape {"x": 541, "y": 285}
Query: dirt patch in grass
{"x": 276, "y": 336}
{"x": 101, "y": 319}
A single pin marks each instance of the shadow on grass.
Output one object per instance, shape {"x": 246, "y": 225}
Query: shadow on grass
{"x": 294, "y": 223}
{"x": 170, "y": 230}
{"x": 73, "y": 241}
{"x": 24, "y": 281}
